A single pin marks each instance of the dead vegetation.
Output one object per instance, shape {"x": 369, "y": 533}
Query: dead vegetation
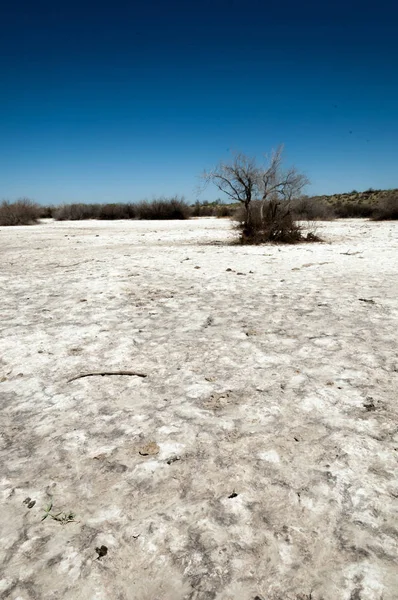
{"x": 213, "y": 209}
{"x": 273, "y": 222}
{"x": 387, "y": 209}
{"x": 305, "y": 208}
{"x": 107, "y": 374}
{"x": 158, "y": 209}
{"x": 21, "y": 212}
{"x": 266, "y": 192}
{"x": 251, "y": 185}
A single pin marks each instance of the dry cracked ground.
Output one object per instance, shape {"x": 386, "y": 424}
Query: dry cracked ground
{"x": 258, "y": 457}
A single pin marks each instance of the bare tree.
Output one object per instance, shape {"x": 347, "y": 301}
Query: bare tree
{"x": 238, "y": 180}
{"x": 276, "y": 184}
{"x": 243, "y": 180}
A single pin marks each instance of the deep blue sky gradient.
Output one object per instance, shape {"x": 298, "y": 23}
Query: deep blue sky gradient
{"x": 119, "y": 101}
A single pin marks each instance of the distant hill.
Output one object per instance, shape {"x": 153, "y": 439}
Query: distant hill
{"x": 370, "y": 197}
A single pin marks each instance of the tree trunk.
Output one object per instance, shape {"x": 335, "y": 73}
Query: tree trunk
{"x": 247, "y": 216}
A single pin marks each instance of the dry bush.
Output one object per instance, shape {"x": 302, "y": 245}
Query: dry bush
{"x": 47, "y": 212}
{"x": 21, "y": 212}
{"x": 388, "y": 208}
{"x": 212, "y": 209}
{"x": 310, "y": 209}
{"x": 240, "y": 215}
{"x": 163, "y": 209}
{"x": 266, "y": 191}
{"x": 353, "y": 210}
{"x": 272, "y": 221}
{"x": 77, "y": 212}
{"x": 111, "y": 212}
{"x": 225, "y": 210}
{"x": 202, "y": 209}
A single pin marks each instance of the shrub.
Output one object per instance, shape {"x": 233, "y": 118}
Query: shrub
{"x": 163, "y": 209}
{"x": 202, "y": 209}
{"x": 353, "y": 210}
{"x": 388, "y": 208}
{"x": 272, "y": 221}
{"x": 225, "y": 210}
{"x": 21, "y": 212}
{"x": 311, "y": 209}
{"x": 117, "y": 211}
{"x": 77, "y": 212}
{"x": 46, "y": 212}
{"x": 212, "y": 209}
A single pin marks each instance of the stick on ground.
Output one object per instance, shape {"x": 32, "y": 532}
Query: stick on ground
{"x": 103, "y": 373}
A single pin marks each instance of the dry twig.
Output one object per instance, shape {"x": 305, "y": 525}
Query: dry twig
{"x": 106, "y": 373}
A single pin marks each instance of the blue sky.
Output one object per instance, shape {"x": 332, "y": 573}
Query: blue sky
{"x": 120, "y": 101}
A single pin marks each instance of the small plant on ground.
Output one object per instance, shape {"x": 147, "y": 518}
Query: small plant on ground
{"x": 62, "y": 517}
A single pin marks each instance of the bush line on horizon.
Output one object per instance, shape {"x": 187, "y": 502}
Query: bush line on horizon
{"x": 305, "y": 208}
